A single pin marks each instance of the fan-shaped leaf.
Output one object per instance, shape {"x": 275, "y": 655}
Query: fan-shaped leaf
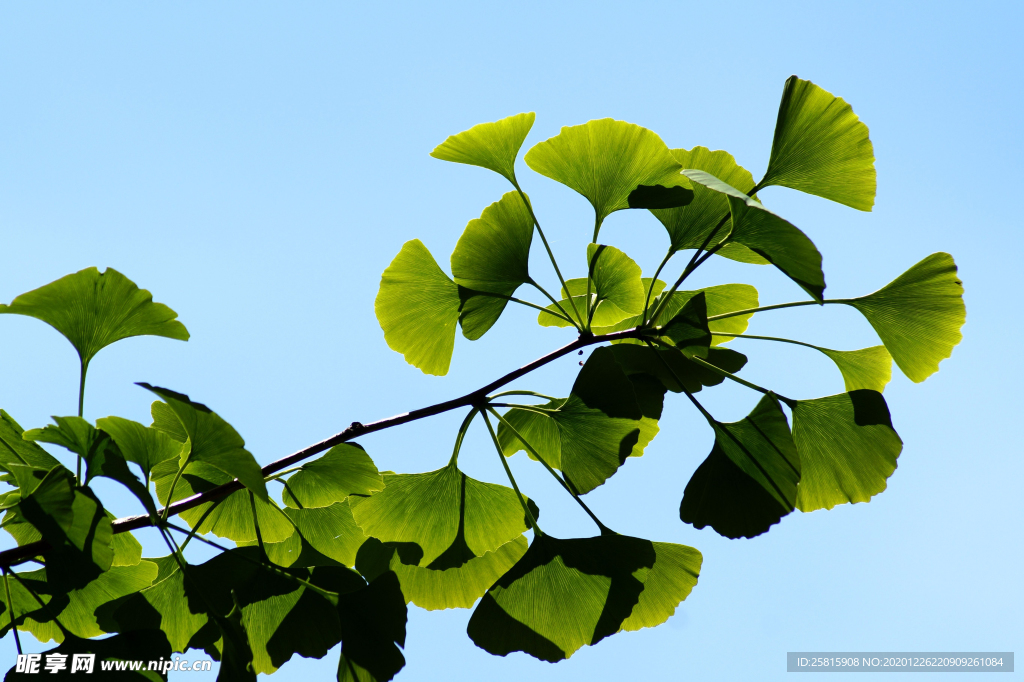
{"x": 213, "y": 440}
{"x": 79, "y": 616}
{"x": 493, "y": 253}
{"x": 329, "y": 530}
{"x": 344, "y": 470}
{"x": 689, "y": 226}
{"x": 614, "y": 164}
{"x": 688, "y": 329}
{"x": 640, "y": 360}
{"x": 598, "y": 426}
{"x": 749, "y": 481}
{"x": 94, "y": 309}
{"x": 162, "y": 606}
{"x": 72, "y": 520}
{"x": 847, "y": 447}
{"x": 231, "y": 516}
{"x": 564, "y": 594}
{"x": 457, "y": 587}
{"x": 14, "y": 449}
{"x": 418, "y": 307}
{"x": 766, "y": 234}
{"x": 918, "y": 315}
{"x": 616, "y": 292}
{"x": 821, "y": 147}
{"x": 143, "y": 445}
{"x": 869, "y": 368}
{"x": 451, "y": 516}
{"x": 669, "y": 582}
{"x": 489, "y": 145}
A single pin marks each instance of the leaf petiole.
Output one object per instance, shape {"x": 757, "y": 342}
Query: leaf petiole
{"x": 529, "y": 515}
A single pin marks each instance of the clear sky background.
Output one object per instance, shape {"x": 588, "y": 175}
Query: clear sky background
{"x": 257, "y": 166}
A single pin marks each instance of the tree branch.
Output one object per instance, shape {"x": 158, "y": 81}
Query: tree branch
{"x": 26, "y": 552}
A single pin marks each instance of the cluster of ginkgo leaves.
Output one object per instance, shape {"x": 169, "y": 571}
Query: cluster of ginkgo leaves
{"x": 347, "y": 547}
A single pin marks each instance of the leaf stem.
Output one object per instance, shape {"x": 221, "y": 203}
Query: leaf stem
{"x": 527, "y": 408}
{"x": 45, "y": 605}
{"x": 744, "y": 382}
{"x": 547, "y": 247}
{"x": 531, "y": 393}
{"x": 603, "y": 528}
{"x": 170, "y": 493}
{"x": 256, "y": 525}
{"x": 199, "y": 524}
{"x": 777, "y": 306}
{"x": 84, "y": 367}
{"x": 694, "y": 263}
{"x": 564, "y": 315}
{"x": 650, "y": 290}
{"x": 10, "y": 607}
{"x": 529, "y": 515}
{"x": 462, "y": 434}
{"x": 766, "y": 338}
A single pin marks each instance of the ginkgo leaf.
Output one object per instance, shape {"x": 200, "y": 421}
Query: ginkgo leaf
{"x": 14, "y": 449}
{"x": 343, "y": 470}
{"x": 749, "y": 481}
{"x": 614, "y": 164}
{"x": 565, "y": 594}
{"x": 666, "y": 585}
{"x": 231, "y": 516}
{"x": 451, "y": 516}
{"x": 821, "y": 147}
{"x": 79, "y": 616}
{"x": 490, "y": 145}
{"x": 161, "y": 606}
{"x": 332, "y": 531}
{"x": 493, "y": 253}
{"x": 688, "y": 330}
{"x": 848, "y": 448}
{"x": 691, "y": 225}
{"x": 418, "y": 306}
{"x": 213, "y": 441}
{"x": 72, "y": 520}
{"x": 595, "y": 429}
{"x": 457, "y": 587}
{"x": 616, "y": 289}
{"x": 779, "y": 242}
{"x": 143, "y": 445}
{"x": 720, "y": 299}
{"x": 918, "y": 315}
{"x": 869, "y": 368}
{"x": 100, "y": 453}
{"x": 94, "y": 309}
{"x": 670, "y": 367}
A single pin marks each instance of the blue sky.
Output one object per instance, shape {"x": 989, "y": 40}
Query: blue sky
{"x": 257, "y": 166}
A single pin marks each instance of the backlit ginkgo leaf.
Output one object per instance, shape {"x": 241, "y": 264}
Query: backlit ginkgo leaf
{"x": 489, "y": 145}
{"x": 821, "y": 147}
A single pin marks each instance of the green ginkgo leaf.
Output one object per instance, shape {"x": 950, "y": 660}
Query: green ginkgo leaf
{"x": 457, "y": 587}
{"x": 449, "y": 515}
{"x": 691, "y": 225}
{"x": 670, "y": 367}
{"x": 616, "y": 290}
{"x": 213, "y": 441}
{"x": 869, "y": 368}
{"x": 848, "y": 448}
{"x": 72, "y": 520}
{"x": 79, "y": 616}
{"x": 332, "y": 531}
{"x": 101, "y": 454}
{"x": 614, "y": 164}
{"x": 918, "y": 315}
{"x": 592, "y": 432}
{"x": 565, "y": 594}
{"x": 666, "y": 585}
{"x": 418, "y": 306}
{"x": 14, "y": 449}
{"x": 343, "y": 470}
{"x": 23, "y": 608}
{"x": 231, "y": 516}
{"x": 749, "y": 481}
{"x": 688, "y": 330}
{"x": 720, "y": 299}
{"x": 145, "y": 446}
{"x": 821, "y": 147}
{"x": 489, "y": 145}
{"x": 162, "y": 606}
{"x": 493, "y": 253}
{"x": 94, "y": 309}
{"x": 779, "y": 242}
